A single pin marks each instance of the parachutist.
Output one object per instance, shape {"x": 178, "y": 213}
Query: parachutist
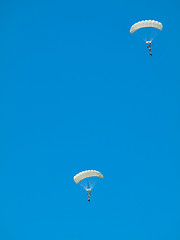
{"x": 147, "y": 24}
{"x": 149, "y": 43}
{"x": 89, "y": 194}
{"x": 87, "y": 176}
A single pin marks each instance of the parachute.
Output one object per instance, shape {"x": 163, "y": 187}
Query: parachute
{"x": 87, "y": 180}
{"x": 147, "y": 30}
{"x": 146, "y": 23}
{"x": 85, "y": 174}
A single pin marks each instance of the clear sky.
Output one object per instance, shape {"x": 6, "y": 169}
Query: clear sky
{"x": 79, "y": 92}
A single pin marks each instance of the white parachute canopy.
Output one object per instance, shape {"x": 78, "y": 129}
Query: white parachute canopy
{"x": 146, "y": 23}
{"x": 150, "y": 28}
{"x": 88, "y": 178}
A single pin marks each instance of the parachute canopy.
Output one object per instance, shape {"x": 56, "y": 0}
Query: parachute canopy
{"x": 86, "y": 174}
{"x": 146, "y": 23}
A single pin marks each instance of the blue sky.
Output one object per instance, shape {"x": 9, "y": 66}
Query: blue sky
{"x": 78, "y": 92}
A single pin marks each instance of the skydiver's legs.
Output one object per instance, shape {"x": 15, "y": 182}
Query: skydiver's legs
{"x": 149, "y": 47}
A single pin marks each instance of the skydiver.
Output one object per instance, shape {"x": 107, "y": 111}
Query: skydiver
{"x": 89, "y": 194}
{"x": 149, "y": 43}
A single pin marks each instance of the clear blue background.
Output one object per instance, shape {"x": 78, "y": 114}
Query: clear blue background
{"x": 78, "y": 92}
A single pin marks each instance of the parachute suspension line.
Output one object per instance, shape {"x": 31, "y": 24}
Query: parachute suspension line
{"x": 145, "y": 34}
{"x": 92, "y": 182}
{"x": 141, "y": 34}
{"x": 84, "y": 184}
{"x": 88, "y": 183}
{"x": 154, "y": 33}
{"x": 148, "y": 34}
